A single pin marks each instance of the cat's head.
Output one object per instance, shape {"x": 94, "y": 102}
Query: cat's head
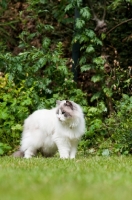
{"x": 65, "y": 110}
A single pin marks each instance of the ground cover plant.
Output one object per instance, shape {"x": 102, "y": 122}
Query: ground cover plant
{"x": 52, "y": 178}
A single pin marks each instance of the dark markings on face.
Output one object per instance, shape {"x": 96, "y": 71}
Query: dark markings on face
{"x": 66, "y": 109}
{"x": 63, "y": 112}
{"x": 66, "y": 114}
{"x": 69, "y": 104}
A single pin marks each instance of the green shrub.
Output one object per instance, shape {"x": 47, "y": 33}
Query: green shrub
{"x": 119, "y": 126}
{"x": 15, "y": 104}
{"x": 110, "y": 135}
{"x": 34, "y": 80}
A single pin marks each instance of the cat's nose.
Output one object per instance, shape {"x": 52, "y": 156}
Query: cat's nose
{"x": 59, "y": 119}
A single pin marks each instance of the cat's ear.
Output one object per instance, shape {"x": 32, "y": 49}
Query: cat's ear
{"x": 58, "y": 102}
{"x": 68, "y": 103}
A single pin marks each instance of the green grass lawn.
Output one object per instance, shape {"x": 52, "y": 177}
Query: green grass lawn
{"x": 90, "y": 178}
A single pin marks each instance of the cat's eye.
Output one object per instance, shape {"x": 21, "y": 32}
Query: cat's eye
{"x": 63, "y": 112}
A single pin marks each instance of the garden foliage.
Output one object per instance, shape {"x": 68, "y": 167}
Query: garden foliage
{"x": 36, "y": 40}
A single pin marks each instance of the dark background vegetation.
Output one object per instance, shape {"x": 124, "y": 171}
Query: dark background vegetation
{"x": 78, "y": 50}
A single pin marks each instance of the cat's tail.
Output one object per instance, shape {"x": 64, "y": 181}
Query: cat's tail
{"x": 18, "y": 153}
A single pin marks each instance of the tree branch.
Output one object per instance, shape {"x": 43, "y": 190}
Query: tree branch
{"x": 101, "y": 26}
{"x": 104, "y": 13}
{"x": 94, "y": 14}
{"x": 119, "y": 25}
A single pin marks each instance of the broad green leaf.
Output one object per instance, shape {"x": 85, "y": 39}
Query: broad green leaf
{"x": 108, "y": 92}
{"x": 85, "y": 13}
{"x": 3, "y": 115}
{"x": 96, "y": 78}
{"x": 90, "y": 49}
{"x": 46, "y": 42}
{"x": 90, "y": 33}
{"x": 98, "y": 61}
{"x": 82, "y": 60}
{"x": 86, "y": 68}
{"x": 103, "y": 36}
{"x": 93, "y": 109}
{"x": 95, "y": 96}
{"x": 80, "y": 23}
{"x": 68, "y": 7}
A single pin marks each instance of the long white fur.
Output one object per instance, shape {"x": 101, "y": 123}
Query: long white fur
{"x": 49, "y": 131}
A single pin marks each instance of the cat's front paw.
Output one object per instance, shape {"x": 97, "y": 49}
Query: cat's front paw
{"x": 72, "y": 157}
{"x": 64, "y": 157}
{"x": 27, "y": 156}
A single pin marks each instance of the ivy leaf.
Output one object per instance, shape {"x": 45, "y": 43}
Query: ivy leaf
{"x": 80, "y": 23}
{"x": 98, "y": 61}
{"x": 95, "y": 96}
{"x": 19, "y": 68}
{"x": 93, "y": 110}
{"x": 90, "y": 33}
{"x": 46, "y": 42}
{"x": 68, "y": 7}
{"x": 103, "y": 36}
{"x": 42, "y": 61}
{"x": 3, "y": 115}
{"x": 85, "y": 13}
{"x": 96, "y": 78}
{"x": 82, "y": 60}
{"x": 82, "y": 39}
{"x": 108, "y": 92}
{"x": 90, "y": 49}
{"x": 86, "y": 68}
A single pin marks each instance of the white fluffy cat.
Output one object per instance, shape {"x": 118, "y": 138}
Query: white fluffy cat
{"x": 48, "y": 130}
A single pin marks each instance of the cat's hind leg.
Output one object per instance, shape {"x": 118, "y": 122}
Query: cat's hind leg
{"x": 28, "y": 147}
{"x": 31, "y": 142}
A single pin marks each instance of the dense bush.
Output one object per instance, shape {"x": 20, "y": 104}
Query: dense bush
{"x": 34, "y": 80}
{"x": 119, "y": 126}
{"x": 110, "y": 135}
{"x": 14, "y": 107}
